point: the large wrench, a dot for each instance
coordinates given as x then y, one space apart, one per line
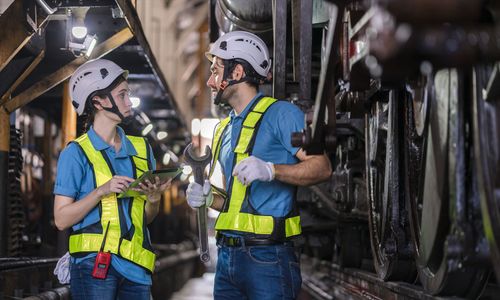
198 165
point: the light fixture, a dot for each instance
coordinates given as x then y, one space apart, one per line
208 127
147 129
79 32
86 47
176 148
186 169
161 135
90 42
195 126
78 29
166 159
136 101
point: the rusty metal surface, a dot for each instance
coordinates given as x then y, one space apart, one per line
279 48
305 52
65 72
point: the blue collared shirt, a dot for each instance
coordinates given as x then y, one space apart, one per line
272 144
74 179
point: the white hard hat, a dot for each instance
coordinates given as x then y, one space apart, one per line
92 76
243 45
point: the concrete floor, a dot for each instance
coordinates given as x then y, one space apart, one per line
200 288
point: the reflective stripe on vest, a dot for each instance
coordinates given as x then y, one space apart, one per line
118 240
233 218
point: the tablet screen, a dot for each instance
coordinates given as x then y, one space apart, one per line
163 174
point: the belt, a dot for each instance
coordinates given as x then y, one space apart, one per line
233 241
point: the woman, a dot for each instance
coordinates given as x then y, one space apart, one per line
92 170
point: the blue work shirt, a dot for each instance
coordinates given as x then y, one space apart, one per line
75 179
272 144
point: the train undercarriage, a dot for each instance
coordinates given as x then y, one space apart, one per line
403 95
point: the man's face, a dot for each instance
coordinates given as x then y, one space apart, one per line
215 80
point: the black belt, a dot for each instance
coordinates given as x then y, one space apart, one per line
233 241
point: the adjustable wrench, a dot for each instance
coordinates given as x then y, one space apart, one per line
198 165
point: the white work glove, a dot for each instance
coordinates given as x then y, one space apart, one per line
62 269
198 195
253 168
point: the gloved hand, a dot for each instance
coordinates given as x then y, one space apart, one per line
198 195
253 168
62 269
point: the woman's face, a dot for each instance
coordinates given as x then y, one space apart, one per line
121 94
122 100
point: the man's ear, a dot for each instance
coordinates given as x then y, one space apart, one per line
238 72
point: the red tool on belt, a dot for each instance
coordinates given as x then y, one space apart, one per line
102 260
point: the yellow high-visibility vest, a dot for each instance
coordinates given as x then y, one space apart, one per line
130 244
231 217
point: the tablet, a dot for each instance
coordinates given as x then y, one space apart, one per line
163 174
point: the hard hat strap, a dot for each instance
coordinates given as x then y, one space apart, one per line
229 66
114 109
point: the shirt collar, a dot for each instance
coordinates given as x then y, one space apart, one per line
233 115
99 144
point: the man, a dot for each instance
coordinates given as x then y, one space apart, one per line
258 219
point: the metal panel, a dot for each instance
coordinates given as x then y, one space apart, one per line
279 49
305 44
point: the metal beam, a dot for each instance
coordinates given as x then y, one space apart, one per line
21 78
305 44
4 130
135 26
65 72
4 169
279 48
15 31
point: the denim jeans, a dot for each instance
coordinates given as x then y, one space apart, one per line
257 272
115 286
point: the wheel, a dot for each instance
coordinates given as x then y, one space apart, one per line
486 133
441 187
386 211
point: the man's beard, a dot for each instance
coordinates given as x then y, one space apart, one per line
227 95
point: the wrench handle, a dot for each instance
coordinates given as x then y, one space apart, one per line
201 214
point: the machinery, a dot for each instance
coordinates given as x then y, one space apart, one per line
403 95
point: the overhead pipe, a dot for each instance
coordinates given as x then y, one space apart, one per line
254 16
49 10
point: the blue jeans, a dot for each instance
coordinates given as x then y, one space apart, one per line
257 272
115 286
